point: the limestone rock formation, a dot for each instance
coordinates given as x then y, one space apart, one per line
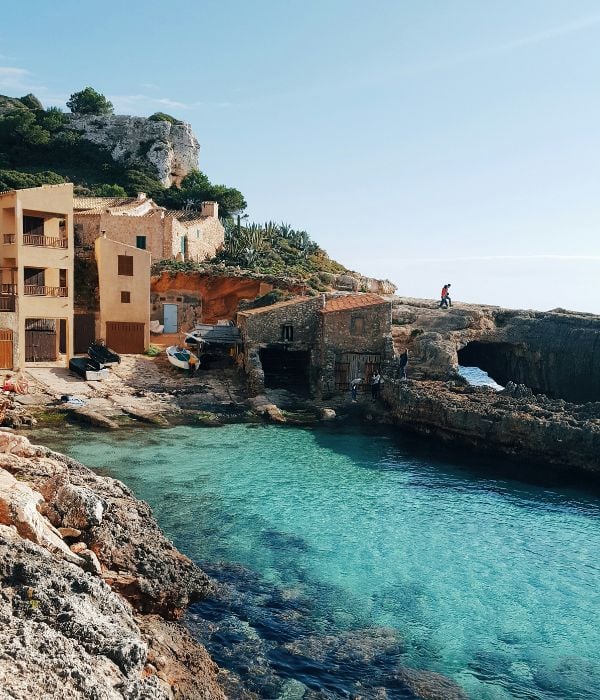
64 629
170 150
553 352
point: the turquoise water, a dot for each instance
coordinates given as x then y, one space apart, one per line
492 582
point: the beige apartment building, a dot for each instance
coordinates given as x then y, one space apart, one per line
36 292
140 222
124 292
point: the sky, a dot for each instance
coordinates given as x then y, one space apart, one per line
424 142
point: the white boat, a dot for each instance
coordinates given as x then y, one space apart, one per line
180 357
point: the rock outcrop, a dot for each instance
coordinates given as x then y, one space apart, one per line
549 363
556 353
169 149
82 562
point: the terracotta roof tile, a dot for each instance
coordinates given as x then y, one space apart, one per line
352 301
100 203
278 305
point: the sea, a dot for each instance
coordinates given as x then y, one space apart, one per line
346 555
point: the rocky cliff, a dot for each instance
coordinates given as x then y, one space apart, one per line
88 586
549 363
556 353
169 149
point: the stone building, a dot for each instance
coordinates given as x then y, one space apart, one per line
36 291
316 344
140 222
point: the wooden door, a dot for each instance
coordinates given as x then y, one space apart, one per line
126 338
6 349
84 332
40 340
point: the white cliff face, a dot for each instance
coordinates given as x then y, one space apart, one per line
171 150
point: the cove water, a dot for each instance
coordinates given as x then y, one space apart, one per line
492 582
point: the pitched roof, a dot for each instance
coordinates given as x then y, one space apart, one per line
352 301
100 203
278 305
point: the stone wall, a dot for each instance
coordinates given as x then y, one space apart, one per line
357 330
263 326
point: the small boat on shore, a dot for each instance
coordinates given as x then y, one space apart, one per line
87 368
179 357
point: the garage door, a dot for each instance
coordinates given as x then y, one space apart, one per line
127 338
6 349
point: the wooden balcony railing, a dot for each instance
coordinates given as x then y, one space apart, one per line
7 302
8 289
10 238
34 290
44 241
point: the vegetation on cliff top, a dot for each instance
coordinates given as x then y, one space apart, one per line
269 249
38 146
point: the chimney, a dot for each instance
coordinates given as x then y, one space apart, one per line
141 197
323 301
209 209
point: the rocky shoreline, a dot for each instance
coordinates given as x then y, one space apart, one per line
91 588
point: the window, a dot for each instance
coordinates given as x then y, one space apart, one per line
357 325
62 278
140 242
125 297
126 265
287 333
183 244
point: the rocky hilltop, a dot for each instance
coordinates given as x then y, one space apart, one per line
89 588
168 148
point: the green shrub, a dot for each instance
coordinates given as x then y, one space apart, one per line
162 117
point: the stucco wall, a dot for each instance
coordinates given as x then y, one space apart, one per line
111 284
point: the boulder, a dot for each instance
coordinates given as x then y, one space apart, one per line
19 507
327 414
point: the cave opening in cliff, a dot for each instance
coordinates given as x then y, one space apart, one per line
496 359
285 368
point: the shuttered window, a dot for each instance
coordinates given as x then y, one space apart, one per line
125 297
126 265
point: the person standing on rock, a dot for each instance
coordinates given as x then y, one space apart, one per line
192 364
446 301
375 384
354 388
403 363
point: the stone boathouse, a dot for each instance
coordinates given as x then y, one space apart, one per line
316 345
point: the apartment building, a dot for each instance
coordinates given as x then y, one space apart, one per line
36 276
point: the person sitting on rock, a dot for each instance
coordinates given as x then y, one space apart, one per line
446 301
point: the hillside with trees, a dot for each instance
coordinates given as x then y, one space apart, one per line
38 146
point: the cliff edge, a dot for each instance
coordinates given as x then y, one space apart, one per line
168 148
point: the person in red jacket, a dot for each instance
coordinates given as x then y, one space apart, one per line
446 301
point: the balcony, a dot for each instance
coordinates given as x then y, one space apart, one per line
43 241
34 290
9 238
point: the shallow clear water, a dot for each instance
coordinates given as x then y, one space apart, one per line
493 582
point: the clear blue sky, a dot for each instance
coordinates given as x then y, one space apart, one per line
421 141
